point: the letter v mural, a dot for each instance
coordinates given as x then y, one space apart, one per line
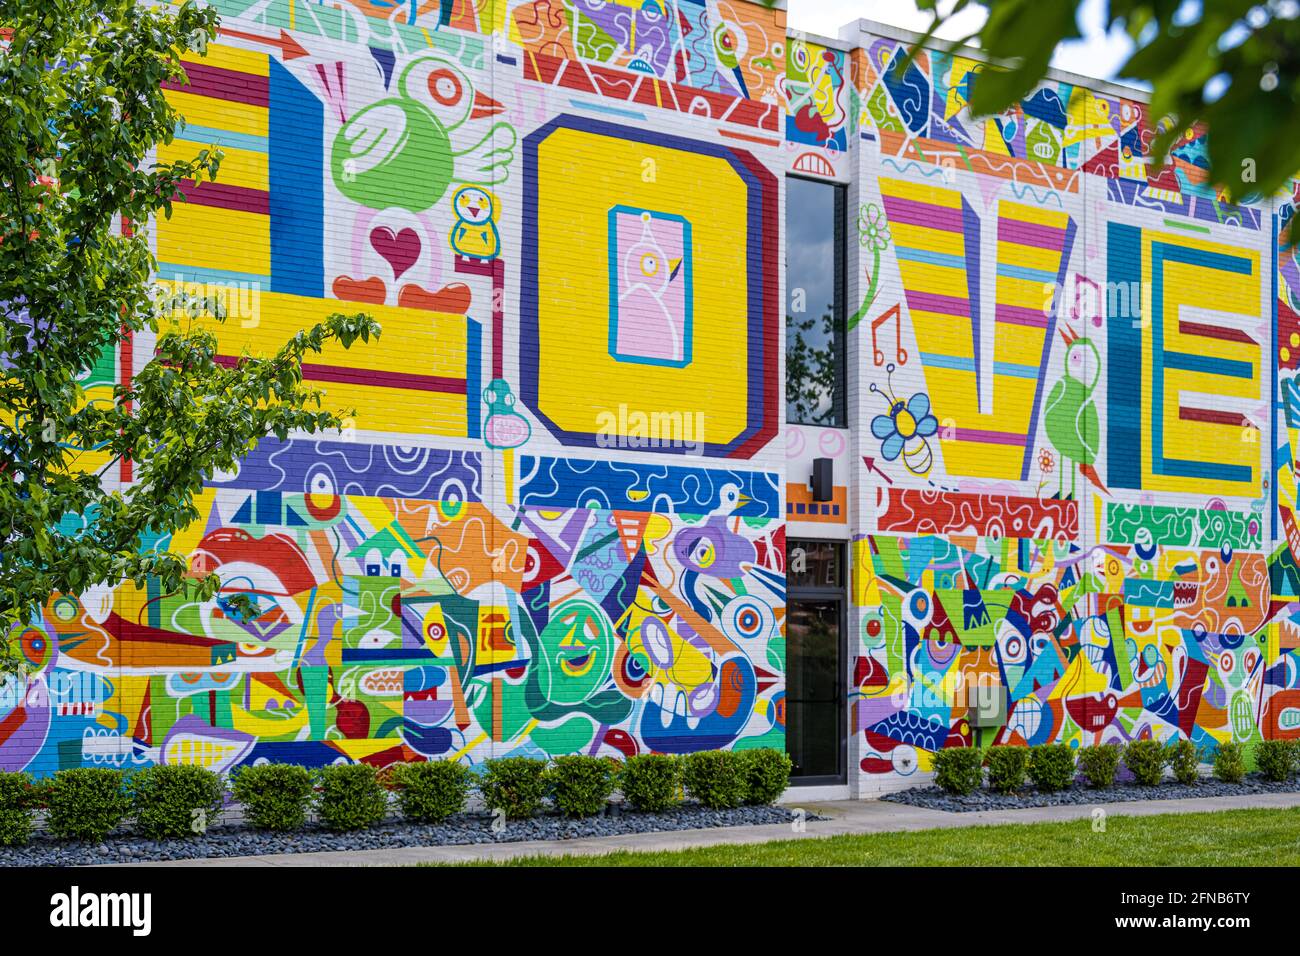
974 282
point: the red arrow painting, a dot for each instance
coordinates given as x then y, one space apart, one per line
290 49
871 466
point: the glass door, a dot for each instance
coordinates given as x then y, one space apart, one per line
816 711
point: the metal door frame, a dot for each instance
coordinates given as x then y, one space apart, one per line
840 596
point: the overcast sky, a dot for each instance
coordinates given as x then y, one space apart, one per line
1096 55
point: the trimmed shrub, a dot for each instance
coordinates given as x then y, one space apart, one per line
18 797
1275 759
1007 767
515 785
1051 766
959 770
716 778
1230 762
349 796
1146 760
85 803
275 796
1184 758
433 790
767 774
651 782
581 784
175 800
386 777
1100 764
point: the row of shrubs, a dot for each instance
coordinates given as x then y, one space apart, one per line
960 770
179 800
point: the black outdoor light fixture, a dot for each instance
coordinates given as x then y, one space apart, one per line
822 483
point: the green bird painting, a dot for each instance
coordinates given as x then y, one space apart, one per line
406 150
1070 417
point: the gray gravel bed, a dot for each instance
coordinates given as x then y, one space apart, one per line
228 840
932 798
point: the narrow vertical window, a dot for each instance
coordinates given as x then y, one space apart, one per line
815 301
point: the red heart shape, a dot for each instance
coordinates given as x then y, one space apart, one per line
400 250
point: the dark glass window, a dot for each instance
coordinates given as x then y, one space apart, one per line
815 302
814 564
816 707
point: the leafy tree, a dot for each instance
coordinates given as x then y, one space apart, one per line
1231 66
84 107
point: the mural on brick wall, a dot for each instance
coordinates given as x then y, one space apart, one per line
554 524
1067 371
557 520
400 619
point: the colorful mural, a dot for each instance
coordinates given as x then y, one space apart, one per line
445 579
1058 643
399 619
557 520
1068 493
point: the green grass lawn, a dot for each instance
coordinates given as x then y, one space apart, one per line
1225 838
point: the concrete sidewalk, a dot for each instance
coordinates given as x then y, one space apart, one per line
845 817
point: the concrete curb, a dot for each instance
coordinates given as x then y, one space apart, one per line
846 817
